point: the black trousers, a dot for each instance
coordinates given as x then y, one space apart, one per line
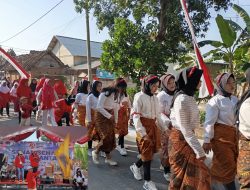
66 116
7 109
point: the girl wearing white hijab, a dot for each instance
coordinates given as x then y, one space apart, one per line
5 97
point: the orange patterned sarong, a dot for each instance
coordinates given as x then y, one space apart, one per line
187 171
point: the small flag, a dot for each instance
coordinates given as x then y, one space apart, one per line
14 63
63 158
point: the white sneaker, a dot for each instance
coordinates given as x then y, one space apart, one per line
139 156
122 151
167 176
110 162
149 185
136 171
90 152
161 167
103 154
95 157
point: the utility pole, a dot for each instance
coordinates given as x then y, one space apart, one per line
88 43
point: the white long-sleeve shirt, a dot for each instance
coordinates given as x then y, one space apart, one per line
219 109
81 99
105 102
185 118
91 103
244 118
165 101
148 107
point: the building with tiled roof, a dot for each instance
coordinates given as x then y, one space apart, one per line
37 63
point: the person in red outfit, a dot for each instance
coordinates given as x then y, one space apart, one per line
25 109
31 178
63 109
34 160
19 163
24 90
60 89
5 97
46 98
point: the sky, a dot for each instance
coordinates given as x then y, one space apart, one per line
63 20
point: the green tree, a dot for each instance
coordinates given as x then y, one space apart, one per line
234 45
81 153
151 31
11 52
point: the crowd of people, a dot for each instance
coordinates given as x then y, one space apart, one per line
164 120
16 171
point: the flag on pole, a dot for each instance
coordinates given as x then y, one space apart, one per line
207 87
62 155
14 63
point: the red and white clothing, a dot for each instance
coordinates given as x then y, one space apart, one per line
24 91
31 180
46 97
60 89
19 161
4 96
25 114
62 107
34 160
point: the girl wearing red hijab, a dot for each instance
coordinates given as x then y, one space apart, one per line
23 90
46 98
60 89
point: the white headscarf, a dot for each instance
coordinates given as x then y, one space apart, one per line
4 89
13 90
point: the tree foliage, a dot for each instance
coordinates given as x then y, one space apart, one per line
234 45
145 34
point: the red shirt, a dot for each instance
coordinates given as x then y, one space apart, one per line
4 99
34 160
19 161
62 107
23 90
31 179
26 109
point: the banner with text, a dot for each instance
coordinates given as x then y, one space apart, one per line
45 151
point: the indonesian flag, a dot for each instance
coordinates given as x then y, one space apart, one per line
14 63
207 87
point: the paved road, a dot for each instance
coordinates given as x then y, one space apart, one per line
103 176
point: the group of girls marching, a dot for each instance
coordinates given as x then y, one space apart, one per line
167 122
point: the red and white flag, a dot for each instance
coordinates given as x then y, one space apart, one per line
14 63
207 87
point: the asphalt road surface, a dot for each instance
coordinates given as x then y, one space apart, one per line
105 177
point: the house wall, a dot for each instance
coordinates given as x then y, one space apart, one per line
78 60
63 54
47 62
